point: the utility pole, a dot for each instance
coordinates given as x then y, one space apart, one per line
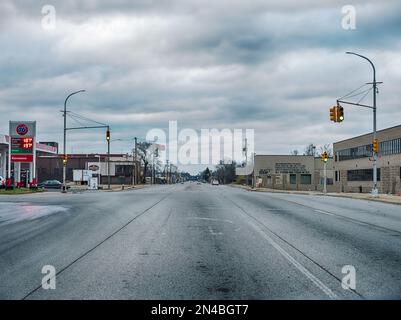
375 191
108 156
167 175
246 151
253 172
136 162
325 178
64 188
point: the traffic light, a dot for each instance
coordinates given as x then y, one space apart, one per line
333 114
337 113
108 135
340 114
375 146
324 156
65 158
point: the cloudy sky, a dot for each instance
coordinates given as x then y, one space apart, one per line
272 66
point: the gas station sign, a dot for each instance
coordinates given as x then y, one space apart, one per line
22 144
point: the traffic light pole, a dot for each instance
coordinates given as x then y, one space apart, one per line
375 191
325 177
108 157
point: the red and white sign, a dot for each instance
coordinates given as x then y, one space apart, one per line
22 129
22 157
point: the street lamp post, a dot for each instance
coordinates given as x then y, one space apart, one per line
375 190
64 189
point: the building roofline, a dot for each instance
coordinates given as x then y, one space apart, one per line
287 155
367 134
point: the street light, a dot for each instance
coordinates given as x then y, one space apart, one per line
375 191
64 189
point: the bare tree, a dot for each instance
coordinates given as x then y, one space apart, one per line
326 147
310 150
144 157
294 152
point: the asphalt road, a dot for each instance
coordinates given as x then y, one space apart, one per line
191 241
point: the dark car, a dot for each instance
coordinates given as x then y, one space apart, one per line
51 184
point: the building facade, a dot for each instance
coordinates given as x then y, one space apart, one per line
353 165
122 166
290 172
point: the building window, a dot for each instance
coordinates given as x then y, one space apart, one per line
362 175
385 148
293 179
329 181
124 170
306 179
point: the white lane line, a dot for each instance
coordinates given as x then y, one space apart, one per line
211 219
324 212
296 264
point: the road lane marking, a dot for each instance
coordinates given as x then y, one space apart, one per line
211 219
297 265
263 226
287 256
324 212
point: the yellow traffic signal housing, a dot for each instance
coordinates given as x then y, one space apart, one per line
324 156
340 114
375 146
65 158
337 114
333 114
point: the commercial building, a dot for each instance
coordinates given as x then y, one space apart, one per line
121 167
354 167
21 172
292 172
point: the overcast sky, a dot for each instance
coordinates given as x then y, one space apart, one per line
272 66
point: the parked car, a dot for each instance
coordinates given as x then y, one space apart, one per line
215 182
51 184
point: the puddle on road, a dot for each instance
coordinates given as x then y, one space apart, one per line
14 212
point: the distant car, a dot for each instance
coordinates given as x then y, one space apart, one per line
215 182
51 184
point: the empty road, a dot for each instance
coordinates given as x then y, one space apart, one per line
197 241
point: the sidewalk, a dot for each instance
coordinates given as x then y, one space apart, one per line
117 187
394 199
104 187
